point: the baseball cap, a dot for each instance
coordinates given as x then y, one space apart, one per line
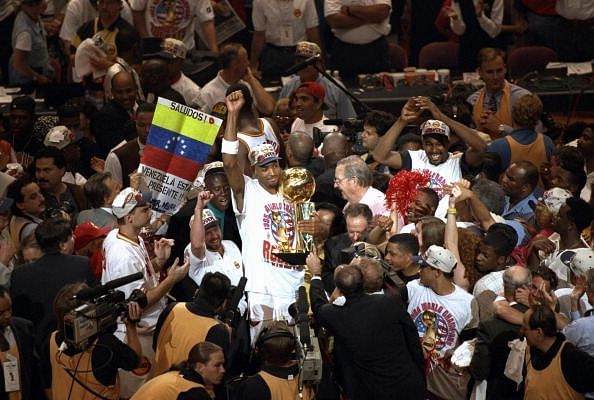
5 204
435 127
127 200
437 257
263 154
171 49
23 103
86 232
307 49
554 198
213 168
208 219
313 89
582 261
59 137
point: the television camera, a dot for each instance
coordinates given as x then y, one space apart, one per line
102 307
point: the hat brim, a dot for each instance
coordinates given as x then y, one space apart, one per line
421 261
214 171
267 161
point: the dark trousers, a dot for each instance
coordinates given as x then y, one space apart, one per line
275 61
353 59
5 46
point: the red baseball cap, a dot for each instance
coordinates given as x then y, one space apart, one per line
86 232
313 89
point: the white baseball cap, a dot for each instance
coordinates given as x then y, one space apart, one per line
437 257
127 200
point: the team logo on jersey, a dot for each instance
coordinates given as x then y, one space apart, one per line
297 13
436 182
437 330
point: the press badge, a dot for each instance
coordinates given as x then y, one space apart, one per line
286 34
11 374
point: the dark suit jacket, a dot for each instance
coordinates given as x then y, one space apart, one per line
30 372
377 347
490 356
34 286
325 190
111 125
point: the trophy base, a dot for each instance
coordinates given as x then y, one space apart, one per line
293 258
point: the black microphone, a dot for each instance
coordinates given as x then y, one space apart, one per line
302 318
298 67
91 293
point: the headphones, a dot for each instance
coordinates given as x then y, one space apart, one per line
266 335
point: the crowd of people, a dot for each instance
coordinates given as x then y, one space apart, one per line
448 255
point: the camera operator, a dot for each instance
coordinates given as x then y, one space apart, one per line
72 374
279 376
182 325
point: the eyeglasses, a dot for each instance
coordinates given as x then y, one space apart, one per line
338 180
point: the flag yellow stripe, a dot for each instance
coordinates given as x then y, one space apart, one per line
186 121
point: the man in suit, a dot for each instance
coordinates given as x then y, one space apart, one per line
16 341
35 285
100 191
358 221
388 364
491 350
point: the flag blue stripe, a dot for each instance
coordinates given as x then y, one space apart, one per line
177 144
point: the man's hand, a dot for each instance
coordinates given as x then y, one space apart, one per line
134 314
384 222
543 244
97 164
410 112
202 200
7 251
489 122
178 272
235 101
479 8
314 265
312 226
424 103
162 249
579 289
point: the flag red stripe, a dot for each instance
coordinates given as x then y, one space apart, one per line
170 163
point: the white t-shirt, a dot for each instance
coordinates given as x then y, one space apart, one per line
441 175
266 220
493 281
174 19
299 125
229 263
445 317
187 88
376 200
284 21
214 92
124 257
363 34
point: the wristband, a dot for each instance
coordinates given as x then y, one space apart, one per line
144 367
452 211
230 147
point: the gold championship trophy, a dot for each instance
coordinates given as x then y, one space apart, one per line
297 185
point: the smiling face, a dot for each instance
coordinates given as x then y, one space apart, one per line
419 207
436 148
307 107
218 185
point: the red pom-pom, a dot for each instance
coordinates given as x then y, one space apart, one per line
403 188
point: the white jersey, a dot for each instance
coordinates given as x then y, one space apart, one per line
439 319
175 18
229 263
265 221
267 136
441 175
124 257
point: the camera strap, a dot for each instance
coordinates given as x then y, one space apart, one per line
88 389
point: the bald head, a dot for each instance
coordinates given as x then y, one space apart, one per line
301 146
514 278
123 89
335 148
